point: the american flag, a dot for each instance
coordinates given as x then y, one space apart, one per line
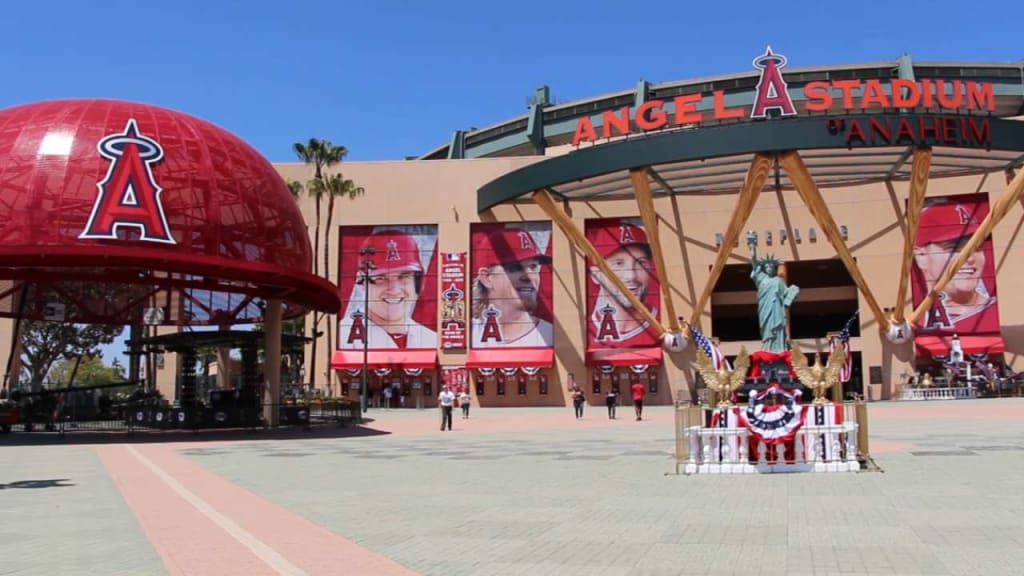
843 338
716 356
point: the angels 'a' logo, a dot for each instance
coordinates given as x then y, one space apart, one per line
937 317
772 93
491 329
606 329
392 255
357 333
626 235
964 214
129 195
525 242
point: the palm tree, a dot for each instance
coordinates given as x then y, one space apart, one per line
320 154
296 188
337 186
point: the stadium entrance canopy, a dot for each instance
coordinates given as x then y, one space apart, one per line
839 133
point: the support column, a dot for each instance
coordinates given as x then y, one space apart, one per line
797 171
645 201
996 214
918 189
752 185
564 222
272 363
224 363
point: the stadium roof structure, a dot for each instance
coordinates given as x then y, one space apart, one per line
116 212
547 124
806 129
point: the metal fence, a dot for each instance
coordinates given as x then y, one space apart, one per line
73 411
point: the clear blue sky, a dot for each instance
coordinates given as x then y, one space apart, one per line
389 78
392 78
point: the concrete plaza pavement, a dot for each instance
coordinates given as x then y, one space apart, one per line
517 491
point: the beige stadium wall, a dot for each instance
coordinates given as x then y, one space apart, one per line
444 192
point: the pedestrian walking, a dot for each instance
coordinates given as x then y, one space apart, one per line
464 398
638 399
577 401
611 400
446 399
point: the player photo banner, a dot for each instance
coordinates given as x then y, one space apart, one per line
611 320
511 285
967 305
401 312
453 300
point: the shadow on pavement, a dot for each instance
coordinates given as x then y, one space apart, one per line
53 483
142 436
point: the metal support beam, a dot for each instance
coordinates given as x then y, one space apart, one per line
756 177
457 146
645 201
564 222
798 174
535 128
899 162
641 92
661 181
918 190
996 214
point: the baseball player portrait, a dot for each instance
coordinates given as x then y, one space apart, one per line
613 321
395 283
968 302
508 287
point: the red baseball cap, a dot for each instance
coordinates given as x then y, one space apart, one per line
612 238
506 246
394 251
945 221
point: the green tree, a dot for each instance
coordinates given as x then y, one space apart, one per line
337 187
44 343
321 154
91 370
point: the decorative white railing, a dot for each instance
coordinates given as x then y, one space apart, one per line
954 393
738 451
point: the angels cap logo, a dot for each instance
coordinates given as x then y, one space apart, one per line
525 242
966 217
392 255
129 195
772 92
626 235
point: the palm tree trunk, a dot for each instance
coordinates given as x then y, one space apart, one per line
327 273
316 315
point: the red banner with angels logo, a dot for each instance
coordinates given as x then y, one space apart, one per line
453 300
612 322
396 306
967 305
511 285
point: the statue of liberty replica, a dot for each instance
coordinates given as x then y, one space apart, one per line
773 298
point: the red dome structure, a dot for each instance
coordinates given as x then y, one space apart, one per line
109 208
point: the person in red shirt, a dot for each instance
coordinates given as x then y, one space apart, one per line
638 399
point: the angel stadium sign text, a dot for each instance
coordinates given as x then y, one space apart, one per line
772 98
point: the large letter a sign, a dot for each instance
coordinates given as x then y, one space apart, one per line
129 196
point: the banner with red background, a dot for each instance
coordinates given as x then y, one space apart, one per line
611 320
453 300
511 285
403 287
967 305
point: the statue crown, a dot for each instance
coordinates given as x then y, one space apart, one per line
771 260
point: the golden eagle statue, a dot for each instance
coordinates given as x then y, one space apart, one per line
723 382
817 377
